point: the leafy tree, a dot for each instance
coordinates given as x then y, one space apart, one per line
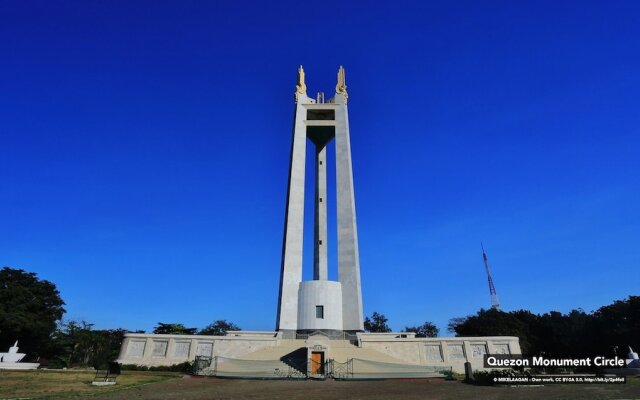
78 345
616 326
563 335
607 331
455 322
427 329
219 328
377 323
175 329
29 310
491 322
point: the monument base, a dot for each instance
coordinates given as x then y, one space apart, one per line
102 383
18 365
269 350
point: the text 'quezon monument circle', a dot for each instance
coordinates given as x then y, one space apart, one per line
319 324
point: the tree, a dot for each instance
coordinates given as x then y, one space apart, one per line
78 345
219 328
552 334
491 322
173 329
616 326
29 311
427 329
376 324
577 334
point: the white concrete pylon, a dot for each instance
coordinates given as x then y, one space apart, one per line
320 122
348 253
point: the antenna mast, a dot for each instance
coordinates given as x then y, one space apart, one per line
495 303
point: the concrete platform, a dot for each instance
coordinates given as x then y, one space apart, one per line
391 348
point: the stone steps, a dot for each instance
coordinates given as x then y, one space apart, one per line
289 359
276 369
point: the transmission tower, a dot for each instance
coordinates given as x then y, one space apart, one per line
495 303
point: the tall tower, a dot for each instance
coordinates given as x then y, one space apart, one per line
495 303
320 304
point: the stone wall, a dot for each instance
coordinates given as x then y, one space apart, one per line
155 350
442 351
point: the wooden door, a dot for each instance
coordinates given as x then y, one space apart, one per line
317 362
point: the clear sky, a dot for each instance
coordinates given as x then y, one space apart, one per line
144 152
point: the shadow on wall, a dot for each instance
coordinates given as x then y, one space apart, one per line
297 359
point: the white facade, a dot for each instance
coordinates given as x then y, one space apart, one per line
320 305
398 348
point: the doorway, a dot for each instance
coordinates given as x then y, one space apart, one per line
317 363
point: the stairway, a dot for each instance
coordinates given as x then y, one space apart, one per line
288 359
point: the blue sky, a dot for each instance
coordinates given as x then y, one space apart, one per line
144 153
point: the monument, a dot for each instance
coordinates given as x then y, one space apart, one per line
632 366
319 323
633 361
11 359
320 304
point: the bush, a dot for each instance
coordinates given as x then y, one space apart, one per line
448 374
184 367
133 367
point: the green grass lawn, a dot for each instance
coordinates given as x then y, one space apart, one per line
44 384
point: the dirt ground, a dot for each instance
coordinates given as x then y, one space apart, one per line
190 388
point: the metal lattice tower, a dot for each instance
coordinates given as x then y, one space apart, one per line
495 303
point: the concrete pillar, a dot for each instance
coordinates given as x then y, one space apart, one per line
444 347
348 255
148 350
291 267
468 352
170 348
320 231
192 349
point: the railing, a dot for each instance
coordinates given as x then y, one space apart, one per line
338 370
283 368
297 367
289 373
337 335
200 364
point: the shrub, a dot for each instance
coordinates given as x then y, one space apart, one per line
184 367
